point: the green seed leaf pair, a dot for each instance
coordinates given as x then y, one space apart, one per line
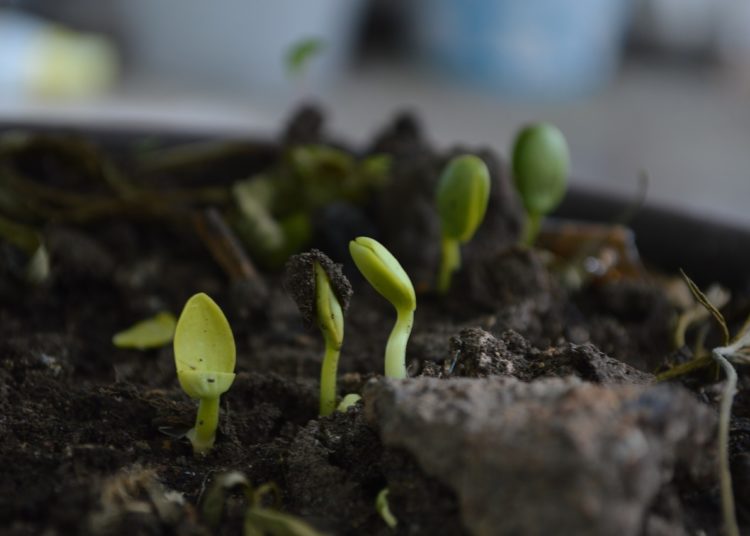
322 294
383 272
462 197
329 312
541 163
204 349
205 355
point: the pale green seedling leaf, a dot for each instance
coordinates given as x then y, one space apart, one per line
462 196
153 332
328 309
348 401
204 348
541 162
381 506
383 272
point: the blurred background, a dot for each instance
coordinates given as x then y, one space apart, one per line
655 85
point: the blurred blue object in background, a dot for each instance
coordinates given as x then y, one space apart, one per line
531 48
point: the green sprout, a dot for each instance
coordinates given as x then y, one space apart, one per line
385 274
322 294
260 520
204 353
382 508
348 401
462 196
541 162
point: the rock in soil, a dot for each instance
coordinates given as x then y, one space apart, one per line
554 456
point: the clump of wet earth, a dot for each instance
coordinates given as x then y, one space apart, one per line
531 408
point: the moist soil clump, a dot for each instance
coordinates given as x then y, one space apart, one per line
532 406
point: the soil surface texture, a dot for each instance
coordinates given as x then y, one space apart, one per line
532 405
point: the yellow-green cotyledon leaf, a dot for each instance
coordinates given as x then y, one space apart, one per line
541 162
153 332
383 272
328 309
204 349
462 196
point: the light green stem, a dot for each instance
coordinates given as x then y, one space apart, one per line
203 435
450 262
395 350
328 380
531 228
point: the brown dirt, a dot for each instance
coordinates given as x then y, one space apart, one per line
83 422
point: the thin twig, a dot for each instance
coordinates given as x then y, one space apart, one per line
224 245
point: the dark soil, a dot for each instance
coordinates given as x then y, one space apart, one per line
89 442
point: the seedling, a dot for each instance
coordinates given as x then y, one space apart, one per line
381 506
153 332
259 519
322 293
462 196
348 401
385 274
541 161
735 350
204 353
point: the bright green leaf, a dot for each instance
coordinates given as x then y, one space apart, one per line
462 197
541 162
348 401
383 272
204 348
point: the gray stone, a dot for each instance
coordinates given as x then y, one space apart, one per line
554 456
480 355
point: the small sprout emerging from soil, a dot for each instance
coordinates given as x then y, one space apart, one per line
205 355
259 519
348 401
381 506
541 162
735 350
153 332
385 274
462 196
322 293
717 295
